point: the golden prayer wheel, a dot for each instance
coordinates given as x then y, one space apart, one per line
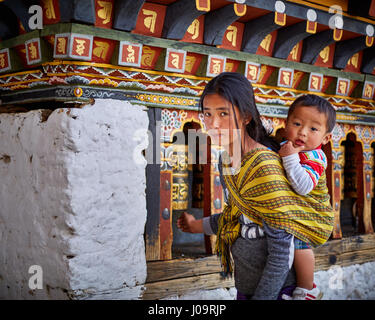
198 190
350 170
180 173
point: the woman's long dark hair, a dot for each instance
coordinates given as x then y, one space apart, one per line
236 89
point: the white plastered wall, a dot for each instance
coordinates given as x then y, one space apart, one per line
72 201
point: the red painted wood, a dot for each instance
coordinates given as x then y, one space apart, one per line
165 226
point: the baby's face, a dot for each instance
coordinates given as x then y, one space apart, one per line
307 127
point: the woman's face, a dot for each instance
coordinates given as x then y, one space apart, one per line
220 121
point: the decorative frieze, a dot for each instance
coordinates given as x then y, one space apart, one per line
5 63
130 54
33 51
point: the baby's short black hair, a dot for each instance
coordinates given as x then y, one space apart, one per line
323 106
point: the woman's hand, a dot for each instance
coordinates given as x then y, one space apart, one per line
187 223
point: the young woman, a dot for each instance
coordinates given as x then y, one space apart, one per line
263 213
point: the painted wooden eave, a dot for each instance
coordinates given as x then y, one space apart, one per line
191 47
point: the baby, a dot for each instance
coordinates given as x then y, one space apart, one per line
309 125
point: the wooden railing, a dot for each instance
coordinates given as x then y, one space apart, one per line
179 276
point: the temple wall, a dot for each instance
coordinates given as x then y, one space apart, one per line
67 202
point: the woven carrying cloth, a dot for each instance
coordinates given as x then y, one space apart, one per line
261 191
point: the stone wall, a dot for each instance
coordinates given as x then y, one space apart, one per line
72 201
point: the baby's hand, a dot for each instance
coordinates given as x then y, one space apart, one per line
287 149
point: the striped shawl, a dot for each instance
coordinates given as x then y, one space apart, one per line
261 191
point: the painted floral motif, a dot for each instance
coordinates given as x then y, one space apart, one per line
201 118
366 134
267 123
337 133
171 120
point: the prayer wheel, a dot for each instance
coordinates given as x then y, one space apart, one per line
180 173
350 169
197 187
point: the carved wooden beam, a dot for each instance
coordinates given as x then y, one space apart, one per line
186 11
359 9
300 11
314 44
256 30
368 60
288 37
345 50
126 14
66 10
77 10
8 23
216 23
6 31
84 11
21 9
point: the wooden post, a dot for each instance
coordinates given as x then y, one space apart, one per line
152 237
158 231
338 161
367 190
165 227
329 171
207 195
358 150
215 199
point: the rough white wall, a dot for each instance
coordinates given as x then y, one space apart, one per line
354 282
72 200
